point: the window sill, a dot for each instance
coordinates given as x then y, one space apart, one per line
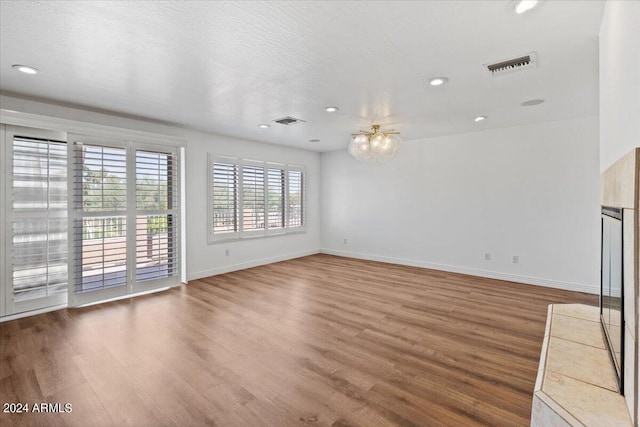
258 236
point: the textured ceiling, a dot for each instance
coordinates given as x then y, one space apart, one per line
225 67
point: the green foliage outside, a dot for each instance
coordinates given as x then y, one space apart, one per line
102 191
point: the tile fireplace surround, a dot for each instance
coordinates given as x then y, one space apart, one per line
576 385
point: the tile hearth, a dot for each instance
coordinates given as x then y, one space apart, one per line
576 385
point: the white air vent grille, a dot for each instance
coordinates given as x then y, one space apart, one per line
288 121
514 64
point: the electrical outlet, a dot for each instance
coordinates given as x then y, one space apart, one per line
226 252
487 256
345 241
515 259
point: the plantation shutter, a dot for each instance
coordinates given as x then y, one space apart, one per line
224 200
100 217
253 199
157 212
38 227
249 198
275 198
296 199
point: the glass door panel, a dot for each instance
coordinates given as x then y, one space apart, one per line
36 226
100 238
156 234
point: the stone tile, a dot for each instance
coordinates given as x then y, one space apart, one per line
592 406
578 330
580 311
542 415
582 362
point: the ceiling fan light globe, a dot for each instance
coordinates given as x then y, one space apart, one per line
391 143
359 147
377 142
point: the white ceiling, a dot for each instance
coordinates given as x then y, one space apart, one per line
225 67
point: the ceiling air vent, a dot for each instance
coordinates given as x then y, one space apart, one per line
288 121
514 64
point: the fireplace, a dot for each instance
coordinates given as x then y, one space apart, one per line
611 289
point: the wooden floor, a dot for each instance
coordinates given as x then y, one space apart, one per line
319 340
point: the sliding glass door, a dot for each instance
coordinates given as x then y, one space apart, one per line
85 218
35 227
125 218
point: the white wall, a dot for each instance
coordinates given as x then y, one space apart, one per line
619 80
530 191
204 259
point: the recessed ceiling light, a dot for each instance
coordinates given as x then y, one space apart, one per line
314 140
437 81
532 102
264 126
331 109
523 6
479 118
25 69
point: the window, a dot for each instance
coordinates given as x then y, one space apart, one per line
295 207
224 197
253 206
275 198
251 198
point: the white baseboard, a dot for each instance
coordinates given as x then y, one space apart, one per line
577 287
32 313
249 264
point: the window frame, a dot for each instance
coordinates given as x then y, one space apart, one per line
266 231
